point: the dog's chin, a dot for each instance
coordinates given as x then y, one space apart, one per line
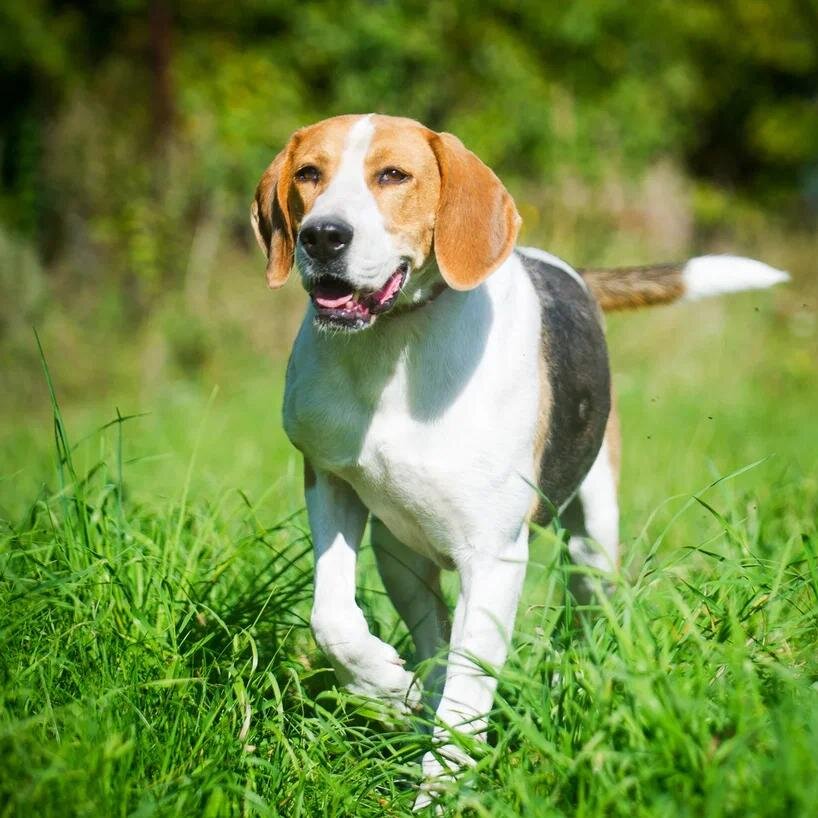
341 308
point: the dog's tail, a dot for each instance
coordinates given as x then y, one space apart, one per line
625 288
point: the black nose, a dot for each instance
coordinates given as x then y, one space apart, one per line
325 239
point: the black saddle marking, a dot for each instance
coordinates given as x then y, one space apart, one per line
573 344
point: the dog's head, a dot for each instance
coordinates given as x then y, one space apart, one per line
360 203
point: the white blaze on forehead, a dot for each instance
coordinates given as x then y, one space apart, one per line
358 140
348 187
372 256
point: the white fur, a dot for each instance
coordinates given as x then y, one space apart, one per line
597 493
428 421
554 261
396 411
596 545
706 276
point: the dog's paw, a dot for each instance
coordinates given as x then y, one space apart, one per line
373 669
380 675
426 798
439 767
393 686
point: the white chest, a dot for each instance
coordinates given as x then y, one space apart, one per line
434 430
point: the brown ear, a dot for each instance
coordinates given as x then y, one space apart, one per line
477 221
271 220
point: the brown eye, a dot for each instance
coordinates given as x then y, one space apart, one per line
392 176
309 173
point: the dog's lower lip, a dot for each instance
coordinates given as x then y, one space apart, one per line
336 301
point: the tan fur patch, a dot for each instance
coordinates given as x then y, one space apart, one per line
541 432
320 145
614 439
281 201
477 220
409 208
271 222
631 287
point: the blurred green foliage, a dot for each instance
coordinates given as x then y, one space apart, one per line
533 86
134 131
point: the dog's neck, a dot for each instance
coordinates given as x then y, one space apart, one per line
424 286
428 295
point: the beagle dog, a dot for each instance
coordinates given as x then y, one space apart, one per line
448 388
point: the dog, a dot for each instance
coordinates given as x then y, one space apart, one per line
450 388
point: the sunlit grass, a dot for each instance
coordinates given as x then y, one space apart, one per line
155 588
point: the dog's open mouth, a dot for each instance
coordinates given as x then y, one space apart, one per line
338 304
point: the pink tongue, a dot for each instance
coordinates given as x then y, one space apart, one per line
390 288
332 303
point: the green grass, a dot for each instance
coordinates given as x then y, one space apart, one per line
155 583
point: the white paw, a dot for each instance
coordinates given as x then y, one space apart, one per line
439 768
371 668
425 799
392 685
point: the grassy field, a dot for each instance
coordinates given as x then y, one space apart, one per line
155 585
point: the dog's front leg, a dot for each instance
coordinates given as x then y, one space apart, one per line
490 585
362 662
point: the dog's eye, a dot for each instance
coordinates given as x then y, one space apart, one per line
392 176
309 173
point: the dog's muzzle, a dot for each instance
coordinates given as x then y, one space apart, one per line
338 304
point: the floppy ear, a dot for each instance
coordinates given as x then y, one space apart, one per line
477 221
271 220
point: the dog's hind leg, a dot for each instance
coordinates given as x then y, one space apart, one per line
592 517
413 584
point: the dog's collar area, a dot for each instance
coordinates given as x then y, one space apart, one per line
435 291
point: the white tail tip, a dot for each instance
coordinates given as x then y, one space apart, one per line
705 276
